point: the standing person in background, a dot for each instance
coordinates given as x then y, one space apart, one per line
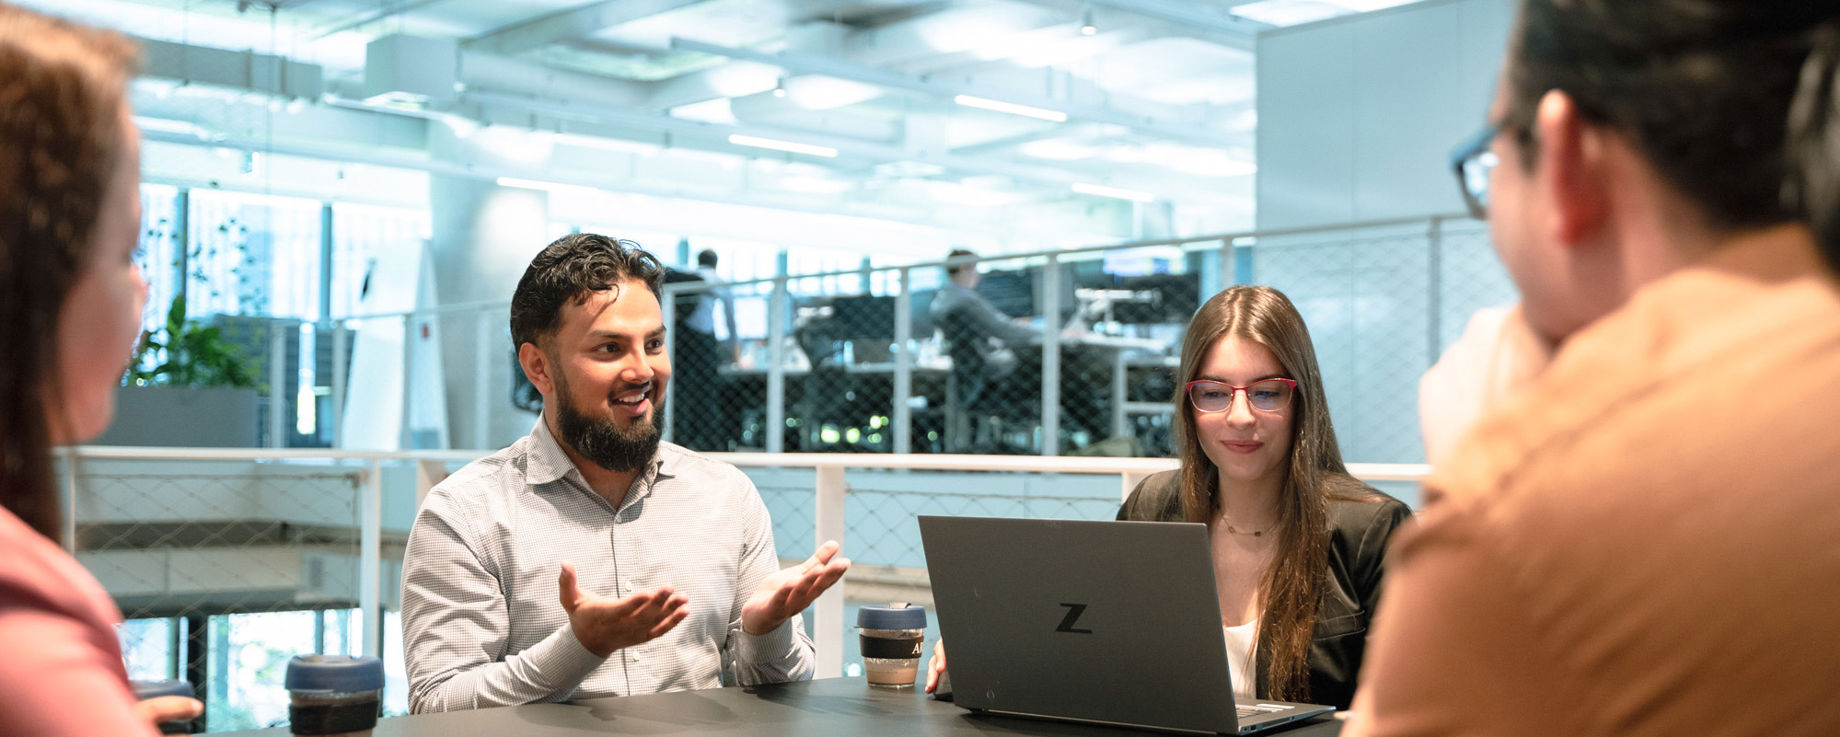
1298 545
70 307
1641 542
700 422
705 318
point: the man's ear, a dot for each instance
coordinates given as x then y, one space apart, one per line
1573 166
537 368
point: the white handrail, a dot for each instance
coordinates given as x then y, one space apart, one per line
149 453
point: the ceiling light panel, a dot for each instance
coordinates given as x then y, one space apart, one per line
774 144
1117 193
1027 111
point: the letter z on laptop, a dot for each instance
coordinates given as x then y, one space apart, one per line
1111 622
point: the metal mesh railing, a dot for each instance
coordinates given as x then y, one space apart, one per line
224 570
227 563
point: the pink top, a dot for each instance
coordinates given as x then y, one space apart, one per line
61 671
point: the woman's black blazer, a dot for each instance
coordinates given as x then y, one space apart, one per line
1358 533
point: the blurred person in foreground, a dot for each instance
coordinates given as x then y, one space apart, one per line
1642 540
1298 545
590 558
70 306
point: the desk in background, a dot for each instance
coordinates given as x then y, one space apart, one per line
832 707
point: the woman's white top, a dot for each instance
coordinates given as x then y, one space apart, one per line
1242 647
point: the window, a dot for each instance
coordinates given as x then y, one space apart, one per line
253 255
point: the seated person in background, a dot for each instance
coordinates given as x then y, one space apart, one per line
70 307
994 359
1298 544
1642 541
678 574
976 333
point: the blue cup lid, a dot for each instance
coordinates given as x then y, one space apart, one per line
896 616
334 673
148 689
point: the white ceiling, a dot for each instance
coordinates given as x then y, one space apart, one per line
1152 97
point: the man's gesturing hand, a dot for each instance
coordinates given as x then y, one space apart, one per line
604 625
788 592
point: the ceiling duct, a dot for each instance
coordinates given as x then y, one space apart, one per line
410 70
239 70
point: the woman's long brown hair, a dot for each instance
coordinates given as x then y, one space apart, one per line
1292 586
62 92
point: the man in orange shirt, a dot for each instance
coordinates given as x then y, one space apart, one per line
1645 539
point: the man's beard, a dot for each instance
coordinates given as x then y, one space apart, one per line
605 443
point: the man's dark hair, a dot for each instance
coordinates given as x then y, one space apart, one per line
956 253
1705 90
706 257
569 270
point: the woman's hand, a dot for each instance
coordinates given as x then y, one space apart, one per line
936 666
161 709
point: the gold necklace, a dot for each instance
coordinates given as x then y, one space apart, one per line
1236 531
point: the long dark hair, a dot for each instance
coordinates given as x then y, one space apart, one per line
1292 586
62 92
1733 102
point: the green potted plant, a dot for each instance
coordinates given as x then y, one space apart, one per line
186 386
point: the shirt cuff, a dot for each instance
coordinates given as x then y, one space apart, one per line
772 647
562 660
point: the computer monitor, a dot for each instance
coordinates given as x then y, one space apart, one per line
863 317
923 313
1013 292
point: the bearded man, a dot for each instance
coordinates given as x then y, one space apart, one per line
588 558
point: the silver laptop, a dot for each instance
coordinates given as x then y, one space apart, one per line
1108 622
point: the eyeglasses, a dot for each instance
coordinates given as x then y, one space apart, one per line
1270 395
1473 161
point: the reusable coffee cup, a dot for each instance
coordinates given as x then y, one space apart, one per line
891 640
337 695
144 690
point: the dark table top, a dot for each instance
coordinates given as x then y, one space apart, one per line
832 707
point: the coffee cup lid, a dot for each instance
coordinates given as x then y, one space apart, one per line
334 673
896 616
144 690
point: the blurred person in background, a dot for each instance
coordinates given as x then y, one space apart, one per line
70 307
1298 544
1641 541
700 421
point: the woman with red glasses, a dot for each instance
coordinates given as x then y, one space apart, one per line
1297 542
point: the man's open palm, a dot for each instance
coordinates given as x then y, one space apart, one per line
789 591
604 625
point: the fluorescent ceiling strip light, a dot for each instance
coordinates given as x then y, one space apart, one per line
543 186
1097 190
787 146
1000 106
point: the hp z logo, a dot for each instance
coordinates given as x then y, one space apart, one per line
1073 615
